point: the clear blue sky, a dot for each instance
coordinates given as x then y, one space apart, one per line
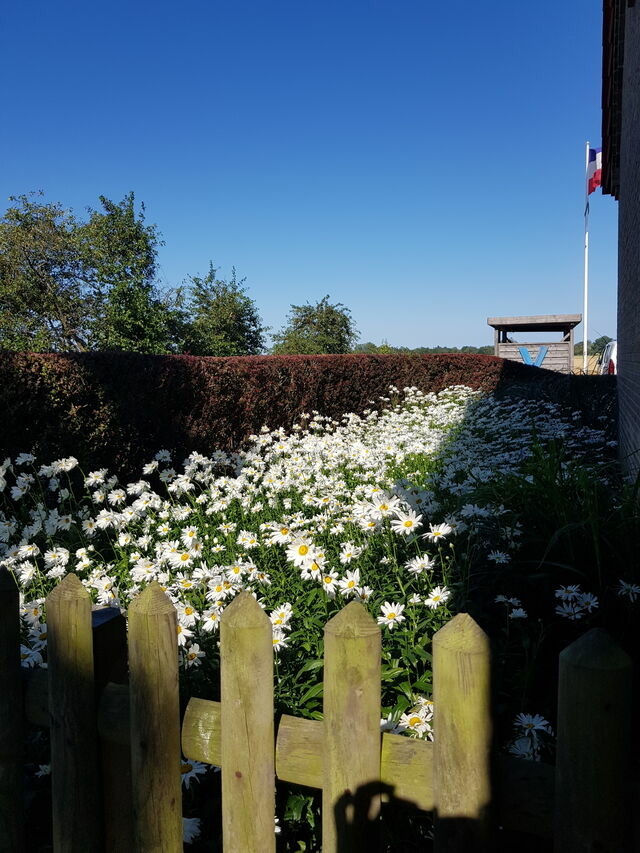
420 162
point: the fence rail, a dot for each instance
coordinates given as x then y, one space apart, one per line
131 795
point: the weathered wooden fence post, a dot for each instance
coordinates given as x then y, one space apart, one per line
593 804
462 736
11 714
351 778
155 722
77 813
248 746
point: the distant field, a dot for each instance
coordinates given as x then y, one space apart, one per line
592 363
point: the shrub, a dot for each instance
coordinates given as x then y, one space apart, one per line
117 409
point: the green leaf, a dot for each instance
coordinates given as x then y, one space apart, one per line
407 689
312 693
402 704
310 666
295 806
389 673
424 683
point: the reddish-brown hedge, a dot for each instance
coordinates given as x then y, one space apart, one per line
118 409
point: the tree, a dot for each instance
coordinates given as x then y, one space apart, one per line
224 320
45 295
385 348
593 347
368 348
578 348
71 285
315 329
597 347
121 252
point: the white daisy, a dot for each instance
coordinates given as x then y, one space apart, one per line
439 595
391 614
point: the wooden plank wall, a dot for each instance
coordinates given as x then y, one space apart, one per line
559 357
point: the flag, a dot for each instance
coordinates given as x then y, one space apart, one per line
594 170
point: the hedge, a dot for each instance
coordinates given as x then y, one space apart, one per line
117 409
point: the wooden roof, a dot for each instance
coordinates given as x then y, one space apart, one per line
536 323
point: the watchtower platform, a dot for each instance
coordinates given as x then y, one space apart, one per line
552 354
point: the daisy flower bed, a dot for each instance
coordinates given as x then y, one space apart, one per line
434 504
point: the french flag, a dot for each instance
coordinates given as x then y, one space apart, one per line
594 170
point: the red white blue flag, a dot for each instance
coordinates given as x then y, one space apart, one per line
594 170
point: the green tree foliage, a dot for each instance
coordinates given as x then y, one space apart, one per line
46 294
367 348
597 347
315 329
68 285
224 320
72 285
384 347
120 251
593 347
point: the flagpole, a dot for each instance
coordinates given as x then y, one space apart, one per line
585 313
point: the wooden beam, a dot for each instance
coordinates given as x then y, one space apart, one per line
594 807
351 740
155 722
246 717
462 735
76 802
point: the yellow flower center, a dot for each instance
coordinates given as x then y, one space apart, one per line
303 549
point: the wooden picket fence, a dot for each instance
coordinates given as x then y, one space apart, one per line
115 748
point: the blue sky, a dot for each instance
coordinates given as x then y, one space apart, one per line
420 162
